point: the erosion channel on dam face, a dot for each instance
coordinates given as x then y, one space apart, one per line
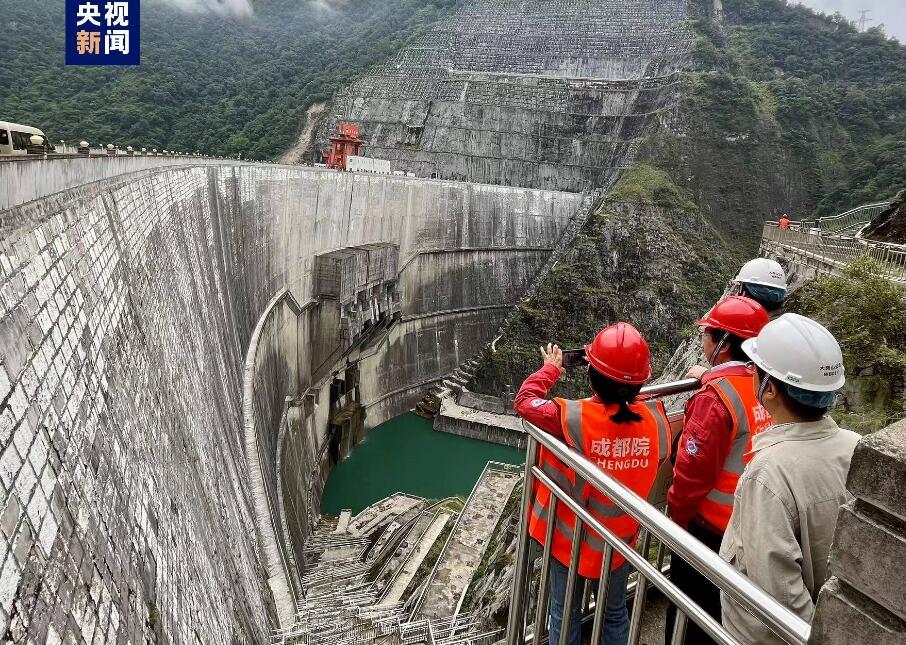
406 455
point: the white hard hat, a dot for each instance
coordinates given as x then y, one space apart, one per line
800 352
764 272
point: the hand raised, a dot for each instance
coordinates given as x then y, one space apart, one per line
553 355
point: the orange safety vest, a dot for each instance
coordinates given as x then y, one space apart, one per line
630 452
749 418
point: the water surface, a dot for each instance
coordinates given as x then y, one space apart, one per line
407 455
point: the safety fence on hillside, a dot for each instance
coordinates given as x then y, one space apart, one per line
526 626
832 253
848 223
852 221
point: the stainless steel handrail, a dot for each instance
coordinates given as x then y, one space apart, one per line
852 213
775 616
674 387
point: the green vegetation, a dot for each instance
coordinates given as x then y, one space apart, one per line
867 315
836 98
645 184
655 267
786 111
218 84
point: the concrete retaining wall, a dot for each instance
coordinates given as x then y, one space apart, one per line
865 599
542 93
503 429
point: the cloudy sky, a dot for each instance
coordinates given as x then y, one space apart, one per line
891 13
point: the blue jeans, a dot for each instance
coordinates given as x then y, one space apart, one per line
615 630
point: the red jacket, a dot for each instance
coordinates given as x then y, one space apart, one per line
533 405
703 447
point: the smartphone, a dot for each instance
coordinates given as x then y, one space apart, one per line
573 358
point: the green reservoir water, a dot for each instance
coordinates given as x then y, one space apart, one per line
407 455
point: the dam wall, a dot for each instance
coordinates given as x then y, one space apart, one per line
137 309
271 376
24 180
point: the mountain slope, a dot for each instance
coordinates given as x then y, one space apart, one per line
216 83
786 111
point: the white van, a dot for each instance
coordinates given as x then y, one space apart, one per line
15 138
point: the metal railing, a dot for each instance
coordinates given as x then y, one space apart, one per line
839 250
523 628
851 218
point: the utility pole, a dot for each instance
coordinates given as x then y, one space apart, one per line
864 19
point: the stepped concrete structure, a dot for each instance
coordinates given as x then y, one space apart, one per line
462 553
540 93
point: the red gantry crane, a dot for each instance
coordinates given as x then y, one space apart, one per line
344 145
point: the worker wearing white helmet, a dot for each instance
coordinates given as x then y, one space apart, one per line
786 503
764 281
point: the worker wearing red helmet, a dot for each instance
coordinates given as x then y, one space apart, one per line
628 439
719 423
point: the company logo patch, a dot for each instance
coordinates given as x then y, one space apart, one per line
537 403
691 447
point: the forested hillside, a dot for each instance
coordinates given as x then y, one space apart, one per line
216 83
787 111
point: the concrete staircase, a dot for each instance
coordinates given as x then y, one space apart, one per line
454 383
466 545
345 603
415 557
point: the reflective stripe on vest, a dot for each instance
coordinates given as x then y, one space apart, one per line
590 538
663 428
745 411
599 440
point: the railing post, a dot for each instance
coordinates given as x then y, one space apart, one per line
638 604
571 581
541 606
515 631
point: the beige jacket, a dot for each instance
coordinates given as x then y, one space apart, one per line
784 515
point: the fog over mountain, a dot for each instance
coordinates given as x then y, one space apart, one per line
230 7
890 13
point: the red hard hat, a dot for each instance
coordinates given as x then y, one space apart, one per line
737 315
619 352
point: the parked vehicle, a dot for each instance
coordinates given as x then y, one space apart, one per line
15 138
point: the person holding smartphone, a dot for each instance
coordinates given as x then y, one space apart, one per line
627 438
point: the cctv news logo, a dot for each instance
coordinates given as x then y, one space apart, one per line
102 32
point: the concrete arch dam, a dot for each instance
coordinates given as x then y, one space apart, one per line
186 348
